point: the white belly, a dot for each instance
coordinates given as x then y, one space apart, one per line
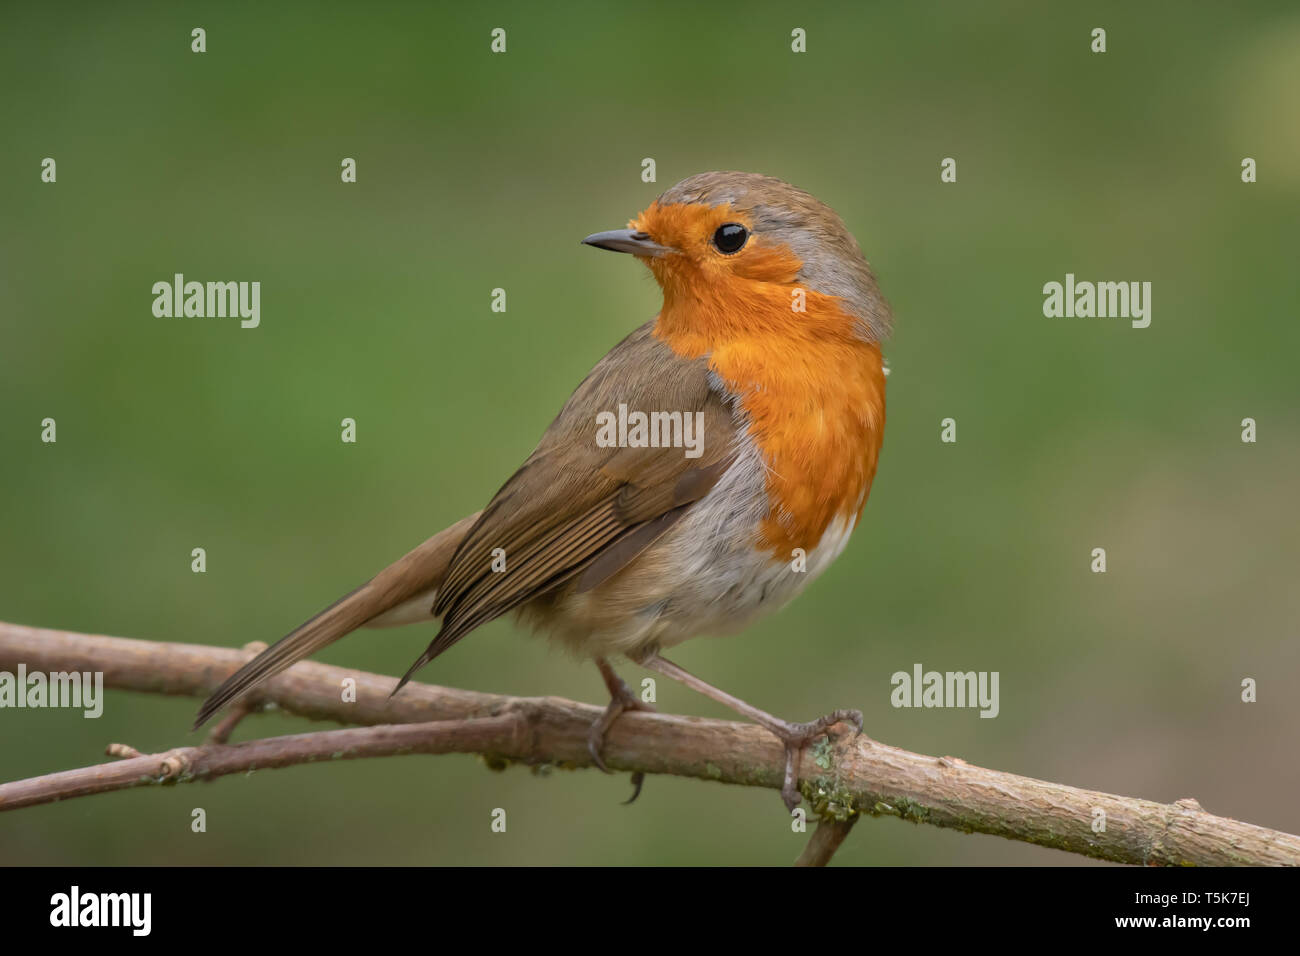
705 576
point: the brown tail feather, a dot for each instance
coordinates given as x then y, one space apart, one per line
340 618
418 571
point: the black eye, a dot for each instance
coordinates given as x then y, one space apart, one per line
730 237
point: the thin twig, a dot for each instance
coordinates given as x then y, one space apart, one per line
184 764
826 839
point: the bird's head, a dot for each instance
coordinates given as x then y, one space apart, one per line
739 252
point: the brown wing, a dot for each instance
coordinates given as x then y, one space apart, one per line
575 507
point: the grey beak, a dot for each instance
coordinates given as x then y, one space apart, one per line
627 240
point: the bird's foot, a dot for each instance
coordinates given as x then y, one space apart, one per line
796 736
621 700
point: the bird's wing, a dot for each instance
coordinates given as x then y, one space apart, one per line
576 507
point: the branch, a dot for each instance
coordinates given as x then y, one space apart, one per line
826 839
841 779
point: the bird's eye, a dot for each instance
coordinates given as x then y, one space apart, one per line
730 237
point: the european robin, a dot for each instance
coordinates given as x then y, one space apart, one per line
711 464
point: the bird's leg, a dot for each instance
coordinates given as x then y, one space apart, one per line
620 699
793 736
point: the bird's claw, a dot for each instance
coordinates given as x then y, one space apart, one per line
796 736
620 701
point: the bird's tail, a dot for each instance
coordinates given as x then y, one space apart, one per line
401 593
340 618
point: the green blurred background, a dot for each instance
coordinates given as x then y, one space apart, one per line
477 171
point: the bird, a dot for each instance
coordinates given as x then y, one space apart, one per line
625 533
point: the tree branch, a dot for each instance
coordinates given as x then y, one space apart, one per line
826 839
841 779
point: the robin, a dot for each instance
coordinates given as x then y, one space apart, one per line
711 464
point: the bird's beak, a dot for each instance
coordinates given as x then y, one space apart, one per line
627 240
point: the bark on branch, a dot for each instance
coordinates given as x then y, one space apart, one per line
841 779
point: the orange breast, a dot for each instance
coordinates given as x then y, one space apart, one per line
814 393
